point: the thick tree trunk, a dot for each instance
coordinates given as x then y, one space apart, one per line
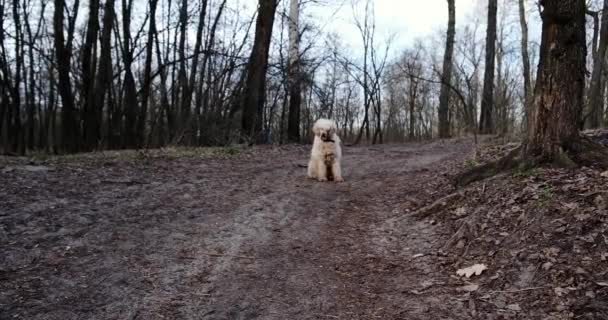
70 131
596 96
130 104
91 133
104 73
16 127
446 76
486 124
295 88
558 96
253 98
525 60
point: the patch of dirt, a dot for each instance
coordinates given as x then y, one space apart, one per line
224 235
241 234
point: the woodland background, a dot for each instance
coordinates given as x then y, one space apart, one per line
89 75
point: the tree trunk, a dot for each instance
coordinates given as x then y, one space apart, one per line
104 73
295 88
486 124
91 128
446 76
147 84
558 95
70 131
596 97
525 60
130 104
252 102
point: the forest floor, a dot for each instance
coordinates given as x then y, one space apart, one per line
234 233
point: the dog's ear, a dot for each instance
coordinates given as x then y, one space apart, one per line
315 129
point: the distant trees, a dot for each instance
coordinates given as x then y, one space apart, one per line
525 57
596 92
202 72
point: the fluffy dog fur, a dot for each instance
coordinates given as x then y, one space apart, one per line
326 154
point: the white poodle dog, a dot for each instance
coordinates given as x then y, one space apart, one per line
326 152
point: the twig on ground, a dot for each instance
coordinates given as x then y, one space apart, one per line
443 202
219 255
517 291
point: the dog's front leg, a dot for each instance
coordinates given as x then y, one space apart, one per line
337 170
321 171
312 168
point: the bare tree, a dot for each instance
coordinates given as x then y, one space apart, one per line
446 75
486 123
595 93
294 82
254 93
525 56
63 52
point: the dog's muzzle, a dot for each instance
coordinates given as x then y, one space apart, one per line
326 138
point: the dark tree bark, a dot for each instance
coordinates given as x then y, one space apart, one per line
294 77
525 59
31 93
70 132
446 76
15 124
558 96
104 72
253 98
596 96
147 84
91 134
182 76
486 123
130 104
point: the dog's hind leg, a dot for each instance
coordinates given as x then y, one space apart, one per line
337 171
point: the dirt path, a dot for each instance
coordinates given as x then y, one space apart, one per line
244 238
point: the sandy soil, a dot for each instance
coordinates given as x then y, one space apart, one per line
247 237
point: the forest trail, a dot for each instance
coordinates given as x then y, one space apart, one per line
241 238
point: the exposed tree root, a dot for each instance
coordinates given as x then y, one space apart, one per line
584 152
488 170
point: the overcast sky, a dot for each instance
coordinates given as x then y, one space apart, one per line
406 19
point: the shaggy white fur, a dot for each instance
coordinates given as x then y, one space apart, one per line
326 154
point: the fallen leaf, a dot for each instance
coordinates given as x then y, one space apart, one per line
560 291
472 270
514 307
602 284
470 288
460 211
604 174
419 255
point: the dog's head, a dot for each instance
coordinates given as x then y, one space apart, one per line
325 129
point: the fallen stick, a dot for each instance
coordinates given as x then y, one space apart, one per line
443 202
517 291
219 255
